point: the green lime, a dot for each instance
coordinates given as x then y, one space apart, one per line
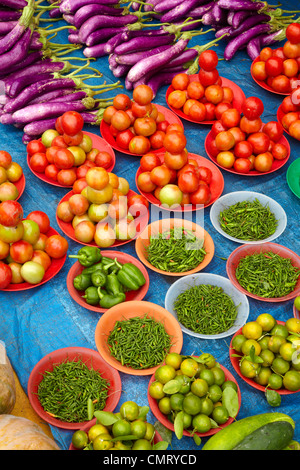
280 330
297 302
219 375
129 410
230 383
220 415
267 356
208 360
263 376
142 444
80 439
165 373
280 366
215 393
291 380
274 343
237 342
191 404
207 406
185 382
119 445
263 342
248 345
208 375
266 321
249 369
121 427
187 420
275 381
156 390
164 405
150 431
95 430
201 423
293 324
189 367
176 401
138 428
102 442
173 359
199 387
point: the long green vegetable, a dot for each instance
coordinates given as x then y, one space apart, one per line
65 391
177 250
267 275
139 342
248 220
205 309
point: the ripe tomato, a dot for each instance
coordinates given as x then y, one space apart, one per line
294 129
290 67
210 111
243 149
123 138
108 113
274 66
5 275
177 98
79 185
288 119
188 104
263 162
11 213
71 122
5 159
176 161
59 141
228 94
189 167
139 145
290 50
67 177
288 105
250 125
293 33
260 142
78 204
217 127
226 159
64 159
207 78
21 251
56 246
220 108
180 81
205 174
160 175
122 101
35 146
149 161
41 218
156 139
225 141
281 84
231 118
174 142
97 178
198 112
238 134
162 125
195 90
188 181
51 171
259 70
38 162
253 107
120 120
145 126
73 140
279 151
274 130
145 183
142 94
208 60
137 205
242 165
202 195
266 53
214 94
103 159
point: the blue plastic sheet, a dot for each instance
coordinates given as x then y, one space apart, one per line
35 322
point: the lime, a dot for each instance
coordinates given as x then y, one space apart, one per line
287 350
156 390
201 423
142 444
252 330
185 383
262 377
187 420
249 369
129 410
275 381
267 356
263 342
165 373
219 375
220 415
274 343
207 406
280 330
293 324
164 405
199 387
173 359
230 383
121 427
176 401
95 430
119 445
291 380
80 439
150 431
138 428
191 404
189 367
208 360
237 342
208 376
266 321
248 345
102 442
297 302
215 393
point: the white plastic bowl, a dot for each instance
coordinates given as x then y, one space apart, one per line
239 299
232 198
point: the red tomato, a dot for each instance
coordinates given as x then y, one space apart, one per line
288 119
207 78
198 112
5 275
122 101
73 140
231 118
64 159
279 53
288 105
252 108
38 162
259 70
238 134
156 139
123 138
290 50
274 130
201 196
293 33
225 141
50 152
290 67
176 161
145 126
59 141
208 60
71 122
139 145
180 81
243 149
281 84
205 174
67 177
263 162
188 182
108 113
35 146
51 171
177 98
145 183
210 111
5 159
266 53
142 94
294 129
137 199
214 94
79 185
217 127
250 125
21 251
220 108
242 165
260 142
174 142
103 159
274 66
149 161
120 120
160 175
195 90
41 218
56 246
162 125
11 213
279 151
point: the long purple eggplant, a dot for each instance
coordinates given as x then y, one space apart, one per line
239 17
198 12
7 26
253 47
238 5
86 12
113 41
30 59
150 6
10 15
102 21
53 96
100 35
95 51
14 4
120 70
166 5
17 53
247 24
179 11
134 57
136 44
71 6
242 40
22 82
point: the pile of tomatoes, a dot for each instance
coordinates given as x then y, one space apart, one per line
65 153
290 108
280 68
26 248
241 141
173 177
136 125
203 99
10 173
103 211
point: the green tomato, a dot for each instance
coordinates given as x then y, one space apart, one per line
48 136
170 195
32 272
31 231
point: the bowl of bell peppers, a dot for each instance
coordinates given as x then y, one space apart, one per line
98 282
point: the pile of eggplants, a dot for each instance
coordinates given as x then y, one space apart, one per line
37 84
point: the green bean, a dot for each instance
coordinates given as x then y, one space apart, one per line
64 392
205 309
267 275
177 250
139 342
248 220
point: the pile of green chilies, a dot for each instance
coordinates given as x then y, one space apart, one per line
139 342
205 309
248 220
64 391
176 251
267 275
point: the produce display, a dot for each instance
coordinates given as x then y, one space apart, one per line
50 99
266 352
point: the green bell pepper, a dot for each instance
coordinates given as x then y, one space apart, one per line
91 295
109 300
88 255
94 268
98 278
82 282
131 276
113 285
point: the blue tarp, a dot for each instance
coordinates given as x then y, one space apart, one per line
40 320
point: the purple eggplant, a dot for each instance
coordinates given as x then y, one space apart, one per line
100 35
198 12
272 38
95 51
239 17
7 26
238 5
150 6
68 18
39 127
134 57
55 13
17 53
114 40
73 38
103 21
7 118
30 59
253 47
86 12
161 79
53 96
71 6
179 12
10 15
14 4
166 5
136 44
249 23
120 70
22 82
242 40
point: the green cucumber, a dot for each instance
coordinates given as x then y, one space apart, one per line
271 436
233 434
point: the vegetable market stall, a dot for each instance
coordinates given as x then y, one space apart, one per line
40 320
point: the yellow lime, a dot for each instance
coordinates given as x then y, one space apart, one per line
263 376
165 373
291 380
138 428
189 367
275 343
95 430
102 442
266 321
293 325
122 427
249 369
156 390
129 410
237 342
248 345
252 330
142 444
173 359
297 302
80 439
150 431
199 387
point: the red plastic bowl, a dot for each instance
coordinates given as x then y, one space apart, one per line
54 268
92 359
216 186
263 84
275 166
296 312
68 230
98 143
106 134
77 268
157 437
251 382
20 185
239 98
245 250
163 419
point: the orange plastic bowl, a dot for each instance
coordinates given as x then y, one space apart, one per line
77 268
251 382
159 226
163 419
245 250
126 310
92 359
157 437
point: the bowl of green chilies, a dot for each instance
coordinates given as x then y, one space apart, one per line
269 272
207 306
248 217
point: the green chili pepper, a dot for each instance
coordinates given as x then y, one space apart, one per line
82 282
131 276
88 255
113 285
109 300
98 278
91 295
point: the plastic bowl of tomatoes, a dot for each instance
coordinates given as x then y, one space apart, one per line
288 114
